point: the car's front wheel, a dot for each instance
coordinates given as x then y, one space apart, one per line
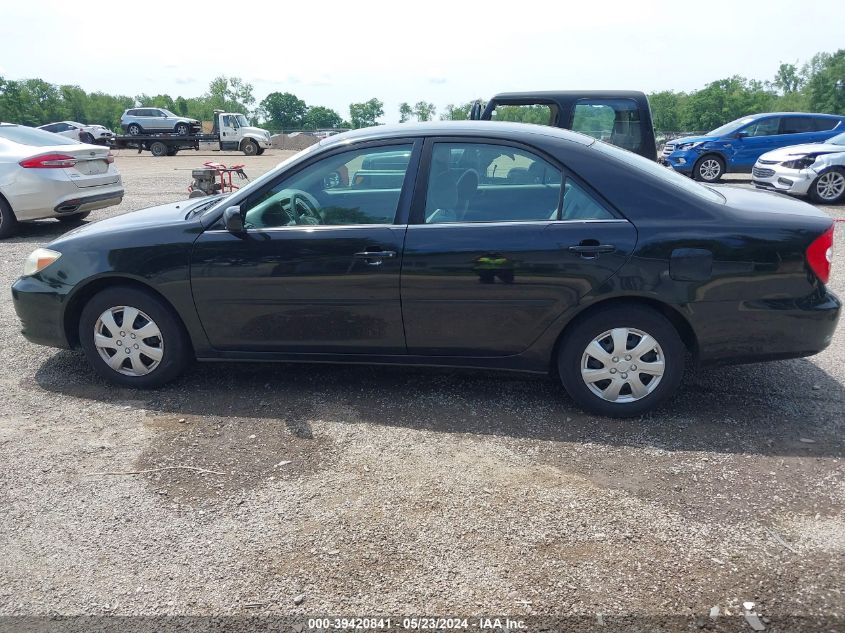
182 129
829 187
708 169
132 338
249 148
621 361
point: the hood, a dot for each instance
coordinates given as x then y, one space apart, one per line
163 215
691 139
255 130
796 151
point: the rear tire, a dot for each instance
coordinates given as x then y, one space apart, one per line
8 221
249 148
709 168
829 187
639 372
158 345
133 129
75 218
158 149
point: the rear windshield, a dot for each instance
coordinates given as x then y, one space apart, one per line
666 174
31 136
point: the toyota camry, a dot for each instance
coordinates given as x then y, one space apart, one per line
473 244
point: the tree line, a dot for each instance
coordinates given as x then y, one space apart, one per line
815 86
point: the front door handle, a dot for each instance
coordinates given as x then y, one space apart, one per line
375 258
592 250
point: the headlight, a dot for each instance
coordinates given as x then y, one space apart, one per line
799 163
38 260
689 145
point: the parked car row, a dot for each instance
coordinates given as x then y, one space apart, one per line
765 145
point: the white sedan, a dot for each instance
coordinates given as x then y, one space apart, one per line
98 134
815 169
43 175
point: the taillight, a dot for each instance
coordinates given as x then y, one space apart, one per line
49 161
820 255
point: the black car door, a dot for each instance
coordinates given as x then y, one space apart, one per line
501 242
317 267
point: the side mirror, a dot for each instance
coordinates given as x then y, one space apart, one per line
233 220
741 134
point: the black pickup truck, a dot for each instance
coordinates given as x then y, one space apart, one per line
620 117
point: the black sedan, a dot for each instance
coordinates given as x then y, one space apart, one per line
474 244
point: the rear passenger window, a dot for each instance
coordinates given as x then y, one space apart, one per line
479 182
797 125
616 121
823 124
579 205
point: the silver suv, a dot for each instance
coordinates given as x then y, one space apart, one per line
155 120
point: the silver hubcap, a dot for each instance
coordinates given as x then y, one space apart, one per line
128 341
623 365
710 169
830 185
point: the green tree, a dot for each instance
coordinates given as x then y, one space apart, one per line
405 112
230 94
788 78
666 108
424 111
365 114
824 91
284 110
725 100
458 112
320 117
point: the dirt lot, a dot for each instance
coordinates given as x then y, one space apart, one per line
356 490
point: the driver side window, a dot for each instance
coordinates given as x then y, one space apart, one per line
357 187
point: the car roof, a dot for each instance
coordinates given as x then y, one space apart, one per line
760 115
495 129
554 95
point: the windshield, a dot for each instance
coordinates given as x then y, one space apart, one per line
241 119
733 126
839 139
31 136
666 174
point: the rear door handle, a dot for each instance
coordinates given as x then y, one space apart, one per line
592 249
374 258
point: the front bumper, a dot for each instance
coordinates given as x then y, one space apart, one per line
40 309
681 160
779 178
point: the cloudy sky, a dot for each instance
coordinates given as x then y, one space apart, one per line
331 53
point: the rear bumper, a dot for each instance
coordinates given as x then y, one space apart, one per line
81 204
40 309
752 331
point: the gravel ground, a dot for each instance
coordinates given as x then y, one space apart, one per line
365 490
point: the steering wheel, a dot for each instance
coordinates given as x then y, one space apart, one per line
288 207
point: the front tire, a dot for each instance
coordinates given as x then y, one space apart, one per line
709 168
131 338
621 361
182 129
250 148
829 187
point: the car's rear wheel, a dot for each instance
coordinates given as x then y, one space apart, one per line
182 128
621 361
133 129
708 168
76 218
829 187
249 147
132 338
8 221
158 149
